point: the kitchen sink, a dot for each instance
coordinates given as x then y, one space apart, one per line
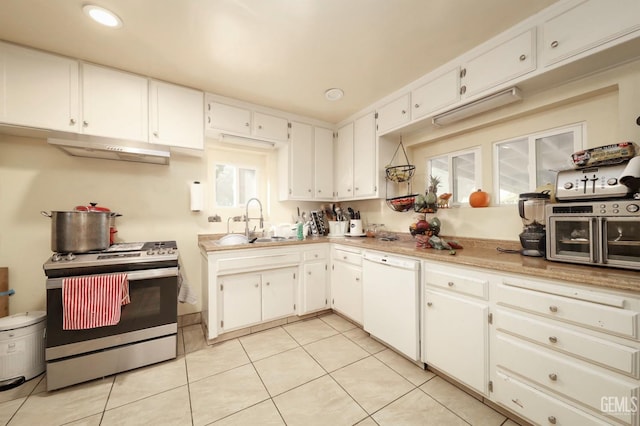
239 239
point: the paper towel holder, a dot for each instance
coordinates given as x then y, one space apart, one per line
197 197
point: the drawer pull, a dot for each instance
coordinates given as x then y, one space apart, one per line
553 339
552 420
450 283
553 377
518 403
553 308
345 257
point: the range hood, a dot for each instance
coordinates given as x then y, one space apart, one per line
111 149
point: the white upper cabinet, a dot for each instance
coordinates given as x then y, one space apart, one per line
230 118
306 164
500 64
365 168
240 121
436 94
301 162
269 127
176 115
114 103
323 164
38 89
394 114
343 162
587 25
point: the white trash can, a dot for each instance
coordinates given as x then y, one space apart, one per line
22 343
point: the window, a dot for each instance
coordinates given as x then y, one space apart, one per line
234 185
524 163
459 174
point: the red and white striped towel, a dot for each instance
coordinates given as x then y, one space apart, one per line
93 301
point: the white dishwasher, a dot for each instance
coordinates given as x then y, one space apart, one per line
391 299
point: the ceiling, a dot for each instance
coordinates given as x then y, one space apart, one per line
281 54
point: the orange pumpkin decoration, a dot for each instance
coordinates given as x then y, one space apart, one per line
479 199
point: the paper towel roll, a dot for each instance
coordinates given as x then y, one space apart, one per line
197 197
630 176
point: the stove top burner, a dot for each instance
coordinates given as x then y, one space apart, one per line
118 257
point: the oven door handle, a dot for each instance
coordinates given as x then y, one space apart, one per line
147 274
604 248
594 250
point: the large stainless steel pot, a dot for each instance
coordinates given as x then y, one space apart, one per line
79 232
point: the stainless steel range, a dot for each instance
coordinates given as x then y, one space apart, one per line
147 329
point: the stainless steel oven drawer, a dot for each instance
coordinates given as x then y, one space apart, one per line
70 371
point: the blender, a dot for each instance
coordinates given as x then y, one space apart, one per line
531 206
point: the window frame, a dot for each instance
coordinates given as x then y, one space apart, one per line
454 200
579 137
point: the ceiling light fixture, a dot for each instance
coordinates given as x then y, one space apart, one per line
102 16
334 94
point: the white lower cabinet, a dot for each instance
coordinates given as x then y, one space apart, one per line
314 281
346 282
457 331
251 298
456 323
565 354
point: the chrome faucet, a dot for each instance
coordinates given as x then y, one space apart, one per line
247 218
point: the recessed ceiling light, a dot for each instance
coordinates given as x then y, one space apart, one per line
102 16
334 94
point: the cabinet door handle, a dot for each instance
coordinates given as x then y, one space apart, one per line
463 72
267 282
463 90
357 278
155 134
450 283
256 285
553 377
72 121
416 106
553 339
85 123
552 420
208 120
344 257
553 308
554 44
523 57
246 124
259 126
429 304
309 273
404 112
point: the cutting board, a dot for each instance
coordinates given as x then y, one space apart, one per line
4 286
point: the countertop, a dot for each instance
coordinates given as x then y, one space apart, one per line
476 253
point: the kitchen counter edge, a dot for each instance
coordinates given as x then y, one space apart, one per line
476 253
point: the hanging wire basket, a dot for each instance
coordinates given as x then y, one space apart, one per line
402 173
403 203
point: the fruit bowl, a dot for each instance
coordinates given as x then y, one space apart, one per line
401 204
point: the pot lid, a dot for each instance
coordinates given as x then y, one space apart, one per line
21 320
92 207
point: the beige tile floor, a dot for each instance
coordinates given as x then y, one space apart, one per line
323 371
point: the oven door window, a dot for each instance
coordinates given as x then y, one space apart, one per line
621 241
153 303
572 238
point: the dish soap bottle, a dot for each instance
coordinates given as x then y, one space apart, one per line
299 231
